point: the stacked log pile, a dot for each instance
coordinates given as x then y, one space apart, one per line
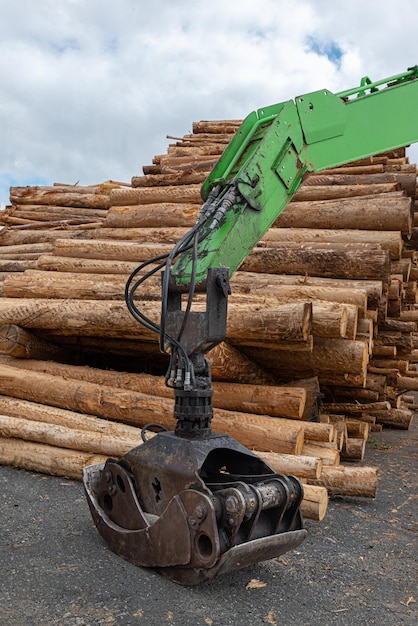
321 324
37 216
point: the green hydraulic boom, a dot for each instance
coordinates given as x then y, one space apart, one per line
277 146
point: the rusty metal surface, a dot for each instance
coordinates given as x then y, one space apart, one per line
204 506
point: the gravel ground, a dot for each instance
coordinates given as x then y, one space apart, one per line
359 566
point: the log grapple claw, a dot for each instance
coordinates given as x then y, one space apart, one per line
194 508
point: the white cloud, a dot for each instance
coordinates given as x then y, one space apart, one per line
89 90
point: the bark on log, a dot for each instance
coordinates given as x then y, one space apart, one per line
7 265
173 178
12 236
138 409
358 482
19 343
247 398
347 394
329 319
77 285
328 455
355 408
37 412
357 169
152 216
359 264
333 361
374 288
61 198
331 192
38 457
155 195
386 240
407 181
45 213
392 211
247 324
315 502
110 250
229 364
39 248
89 266
66 437
272 399
313 398
396 418
272 285
146 234
291 464
216 126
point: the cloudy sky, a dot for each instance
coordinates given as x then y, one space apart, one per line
89 89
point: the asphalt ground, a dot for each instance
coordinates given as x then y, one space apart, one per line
359 566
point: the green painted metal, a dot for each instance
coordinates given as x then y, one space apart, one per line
276 146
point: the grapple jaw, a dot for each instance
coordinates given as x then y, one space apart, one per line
194 508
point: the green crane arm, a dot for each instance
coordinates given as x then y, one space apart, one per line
277 146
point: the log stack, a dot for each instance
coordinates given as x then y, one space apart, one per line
321 345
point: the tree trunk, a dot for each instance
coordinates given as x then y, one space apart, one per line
315 502
173 178
407 181
148 234
297 465
359 482
37 412
152 215
338 239
247 323
333 361
39 457
329 456
392 211
19 343
66 437
332 192
138 409
155 195
272 285
89 266
358 264
61 198
247 398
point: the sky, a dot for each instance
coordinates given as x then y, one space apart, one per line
90 89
